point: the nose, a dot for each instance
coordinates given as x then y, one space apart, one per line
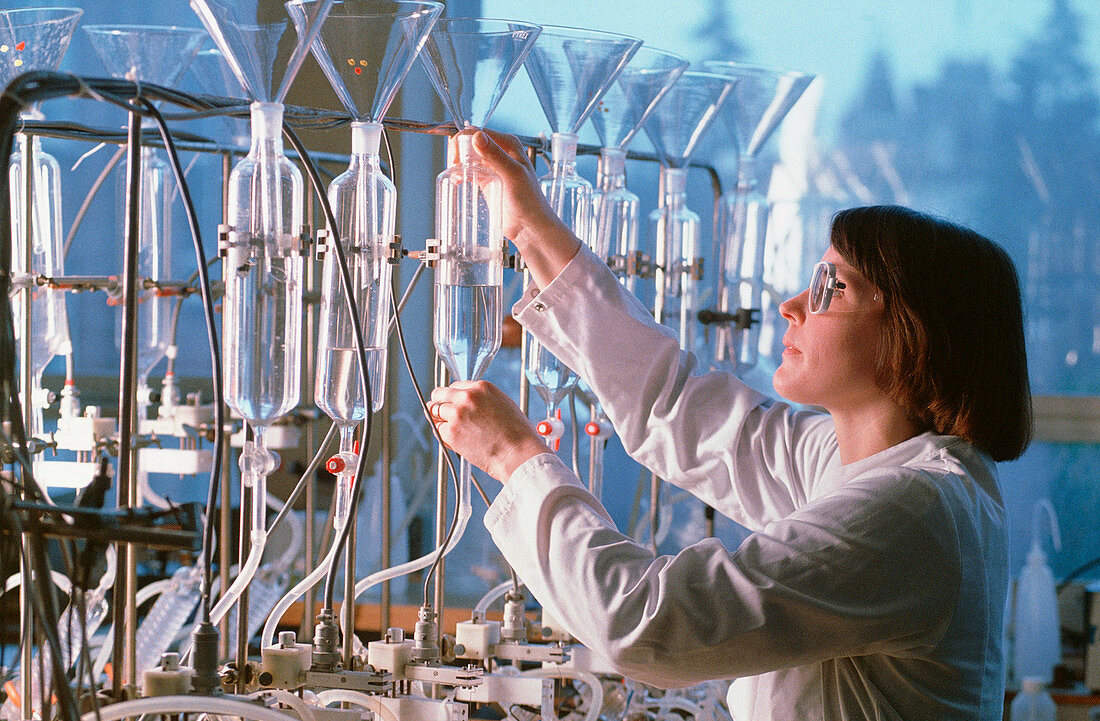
794 308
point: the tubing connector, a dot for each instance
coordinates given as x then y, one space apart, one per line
515 622
326 643
426 636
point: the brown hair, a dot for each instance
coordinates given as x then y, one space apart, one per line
953 352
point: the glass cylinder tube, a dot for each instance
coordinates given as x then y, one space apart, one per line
570 196
738 260
263 277
158 187
675 228
469 277
364 202
616 216
48 316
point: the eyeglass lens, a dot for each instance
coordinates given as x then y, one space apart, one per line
819 288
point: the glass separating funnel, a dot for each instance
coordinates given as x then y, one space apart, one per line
570 70
262 244
619 116
675 128
761 100
159 55
471 62
36 39
366 77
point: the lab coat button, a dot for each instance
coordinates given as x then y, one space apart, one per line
539 307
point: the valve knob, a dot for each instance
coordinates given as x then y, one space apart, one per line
592 428
335 465
544 428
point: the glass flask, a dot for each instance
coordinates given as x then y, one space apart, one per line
761 99
470 274
263 277
615 237
738 260
158 187
570 196
49 321
675 228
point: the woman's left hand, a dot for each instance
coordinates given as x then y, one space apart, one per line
483 425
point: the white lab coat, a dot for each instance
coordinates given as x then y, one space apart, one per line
868 591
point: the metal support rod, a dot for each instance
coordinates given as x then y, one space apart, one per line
387 474
441 379
125 610
225 521
306 627
347 610
27 377
247 499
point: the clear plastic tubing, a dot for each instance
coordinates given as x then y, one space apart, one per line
364 202
166 618
48 316
470 275
210 705
267 637
494 593
676 229
590 680
616 210
465 510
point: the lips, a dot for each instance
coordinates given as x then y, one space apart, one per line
789 347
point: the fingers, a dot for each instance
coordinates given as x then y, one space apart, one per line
509 144
503 153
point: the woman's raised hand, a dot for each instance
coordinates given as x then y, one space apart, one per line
545 243
483 425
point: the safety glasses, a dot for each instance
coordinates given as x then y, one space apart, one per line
822 284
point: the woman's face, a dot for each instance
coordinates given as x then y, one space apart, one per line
829 358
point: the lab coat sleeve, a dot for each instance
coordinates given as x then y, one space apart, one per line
871 568
752 458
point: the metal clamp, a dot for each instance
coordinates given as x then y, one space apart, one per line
395 251
225 234
533 652
430 255
694 269
322 243
639 264
305 239
446 675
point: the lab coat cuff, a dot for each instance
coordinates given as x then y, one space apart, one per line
533 480
558 293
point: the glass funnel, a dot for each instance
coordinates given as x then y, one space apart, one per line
211 74
151 54
625 107
570 70
262 245
761 99
36 39
675 128
366 78
471 62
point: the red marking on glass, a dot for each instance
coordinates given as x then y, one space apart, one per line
359 71
21 46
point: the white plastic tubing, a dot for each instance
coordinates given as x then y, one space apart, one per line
465 510
185 704
273 618
595 703
494 593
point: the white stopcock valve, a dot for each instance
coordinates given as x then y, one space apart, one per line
551 429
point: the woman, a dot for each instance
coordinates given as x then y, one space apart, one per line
873 584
